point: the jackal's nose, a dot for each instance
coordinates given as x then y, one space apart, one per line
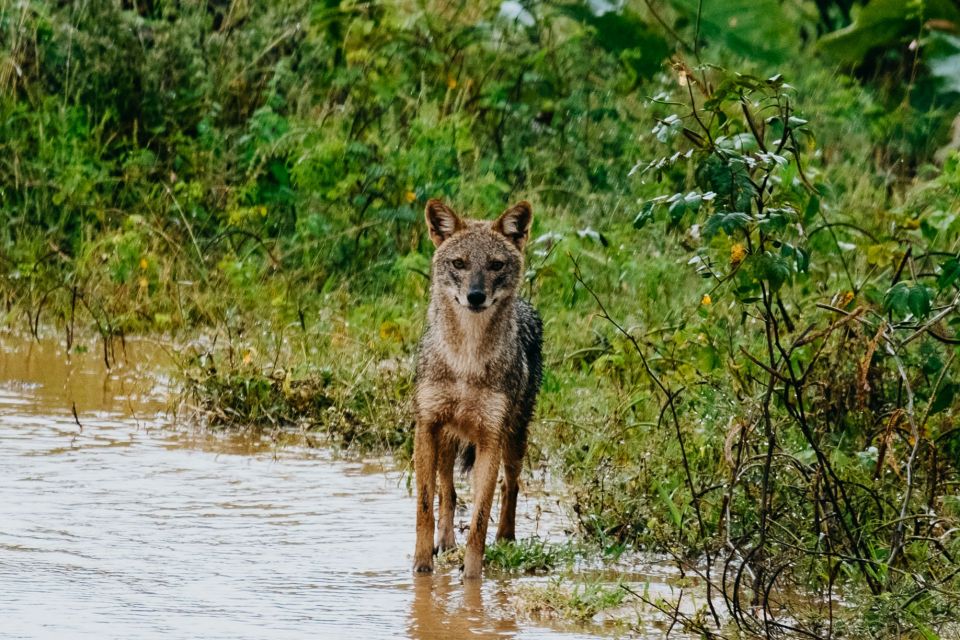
476 297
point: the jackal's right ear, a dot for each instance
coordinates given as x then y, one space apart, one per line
441 221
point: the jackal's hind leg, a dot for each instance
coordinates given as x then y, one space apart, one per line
509 488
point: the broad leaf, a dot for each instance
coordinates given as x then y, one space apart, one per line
882 23
943 58
918 300
729 222
949 272
944 397
772 269
756 29
895 299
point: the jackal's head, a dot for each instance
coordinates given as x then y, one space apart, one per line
478 263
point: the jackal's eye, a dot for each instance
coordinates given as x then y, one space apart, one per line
495 265
458 263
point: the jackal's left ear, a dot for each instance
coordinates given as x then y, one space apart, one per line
515 223
442 221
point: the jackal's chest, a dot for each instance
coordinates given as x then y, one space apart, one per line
467 409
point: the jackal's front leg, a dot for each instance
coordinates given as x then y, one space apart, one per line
484 482
425 466
447 457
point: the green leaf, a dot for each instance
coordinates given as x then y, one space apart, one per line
755 29
777 219
895 299
646 213
812 209
943 59
919 301
800 255
679 204
671 506
925 632
729 178
707 357
730 222
882 23
771 268
949 272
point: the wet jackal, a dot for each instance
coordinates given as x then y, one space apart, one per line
478 373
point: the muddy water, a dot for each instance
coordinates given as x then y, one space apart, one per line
114 525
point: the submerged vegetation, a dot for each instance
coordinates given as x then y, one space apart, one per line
746 252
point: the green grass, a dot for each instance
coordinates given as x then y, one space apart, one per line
571 599
529 556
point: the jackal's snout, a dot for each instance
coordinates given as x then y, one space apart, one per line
476 298
476 292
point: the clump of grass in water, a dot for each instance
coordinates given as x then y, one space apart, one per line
529 556
243 398
572 600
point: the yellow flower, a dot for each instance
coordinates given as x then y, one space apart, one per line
705 300
846 299
143 283
451 82
144 264
410 196
737 253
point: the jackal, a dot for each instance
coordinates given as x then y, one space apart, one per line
478 374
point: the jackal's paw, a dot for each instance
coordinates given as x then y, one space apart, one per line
423 566
445 543
472 566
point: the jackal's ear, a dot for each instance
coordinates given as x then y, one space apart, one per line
515 223
441 221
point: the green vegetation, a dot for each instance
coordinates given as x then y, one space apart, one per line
571 599
746 252
529 556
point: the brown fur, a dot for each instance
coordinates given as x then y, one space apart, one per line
478 373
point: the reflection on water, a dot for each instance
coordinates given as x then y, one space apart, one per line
444 607
121 528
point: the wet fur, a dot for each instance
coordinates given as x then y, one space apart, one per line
478 374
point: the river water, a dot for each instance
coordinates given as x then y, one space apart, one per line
115 525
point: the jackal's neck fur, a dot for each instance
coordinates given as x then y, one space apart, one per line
469 341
